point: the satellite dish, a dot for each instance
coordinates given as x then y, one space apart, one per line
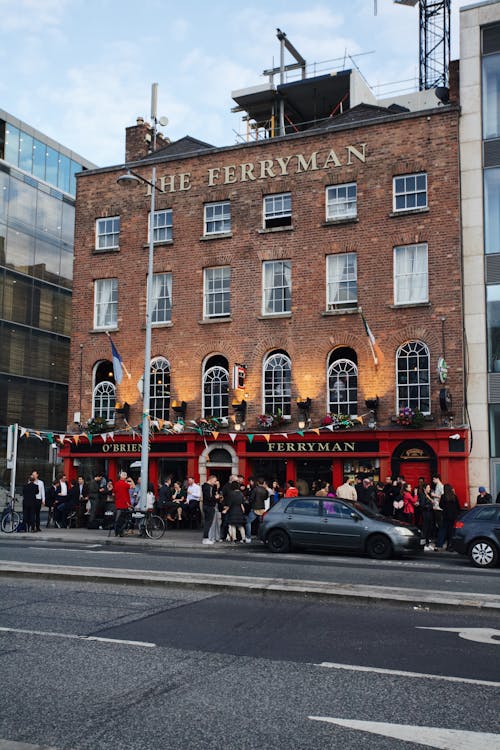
163 121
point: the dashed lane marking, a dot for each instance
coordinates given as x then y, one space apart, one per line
401 673
74 636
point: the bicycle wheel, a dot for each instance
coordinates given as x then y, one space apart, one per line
155 526
10 521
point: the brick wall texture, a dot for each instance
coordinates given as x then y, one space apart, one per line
425 142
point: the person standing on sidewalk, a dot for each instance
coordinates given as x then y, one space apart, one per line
122 502
40 498
29 500
209 498
451 508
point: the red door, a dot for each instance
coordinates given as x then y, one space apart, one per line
412 470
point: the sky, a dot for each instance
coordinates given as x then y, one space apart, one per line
80 71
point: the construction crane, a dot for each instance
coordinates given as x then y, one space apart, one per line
434 55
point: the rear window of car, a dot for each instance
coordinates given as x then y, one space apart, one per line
303 507
487 514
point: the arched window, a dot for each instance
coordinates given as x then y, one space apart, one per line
216 387
104 393
277 384
104 399
159 389
412 373
343 382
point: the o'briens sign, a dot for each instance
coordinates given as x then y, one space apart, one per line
264 169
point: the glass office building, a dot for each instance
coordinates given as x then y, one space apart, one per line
37 207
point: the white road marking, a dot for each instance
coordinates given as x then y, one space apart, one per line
480 635
400 673
82 551
73 636
11 745
428 736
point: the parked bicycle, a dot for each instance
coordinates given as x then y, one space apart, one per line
10 517
149 524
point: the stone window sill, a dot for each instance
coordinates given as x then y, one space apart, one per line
340 311
272 230
410 304
221 236
207 321
336 222
158 244
277 316
409 212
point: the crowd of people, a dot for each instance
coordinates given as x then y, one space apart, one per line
232 512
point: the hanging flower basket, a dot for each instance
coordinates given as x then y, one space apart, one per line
409 417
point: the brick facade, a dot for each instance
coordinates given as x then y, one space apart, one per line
397 144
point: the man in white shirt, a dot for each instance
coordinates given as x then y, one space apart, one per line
193 497
346 491
40 498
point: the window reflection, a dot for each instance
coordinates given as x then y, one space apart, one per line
20 251
26 152
48 214
22 203
12 145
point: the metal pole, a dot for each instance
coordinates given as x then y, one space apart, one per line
147 350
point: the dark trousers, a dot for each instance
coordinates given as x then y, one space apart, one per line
428 527
208 514
120 520
28 515
36 511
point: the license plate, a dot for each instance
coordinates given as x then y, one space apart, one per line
422 542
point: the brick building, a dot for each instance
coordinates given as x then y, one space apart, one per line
269 254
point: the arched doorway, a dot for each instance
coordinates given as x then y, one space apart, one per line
413 459
219 461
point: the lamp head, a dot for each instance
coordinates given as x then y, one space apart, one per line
127 179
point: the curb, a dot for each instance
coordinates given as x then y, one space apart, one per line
353 592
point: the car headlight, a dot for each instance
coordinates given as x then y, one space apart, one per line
403 531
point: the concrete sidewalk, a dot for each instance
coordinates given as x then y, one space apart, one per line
174 539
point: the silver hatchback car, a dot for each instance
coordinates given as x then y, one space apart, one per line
336 524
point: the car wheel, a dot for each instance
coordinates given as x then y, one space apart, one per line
278 541
483 553
379 547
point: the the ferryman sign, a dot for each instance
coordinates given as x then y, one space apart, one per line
316 446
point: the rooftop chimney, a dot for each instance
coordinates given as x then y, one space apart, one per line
138 140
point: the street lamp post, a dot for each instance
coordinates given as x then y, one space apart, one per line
131 178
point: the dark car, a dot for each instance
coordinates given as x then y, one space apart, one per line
336 524
477 534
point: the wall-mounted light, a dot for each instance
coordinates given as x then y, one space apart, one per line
179 408
372 405
123 410
240 412
304 407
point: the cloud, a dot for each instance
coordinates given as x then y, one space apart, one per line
32 15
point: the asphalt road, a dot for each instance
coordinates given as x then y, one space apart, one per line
188 670
434 571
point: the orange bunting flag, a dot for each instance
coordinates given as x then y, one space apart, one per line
215 435
267 437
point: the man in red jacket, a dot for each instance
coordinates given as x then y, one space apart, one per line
122 502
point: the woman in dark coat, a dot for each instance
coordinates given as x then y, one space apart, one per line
451 509
235 510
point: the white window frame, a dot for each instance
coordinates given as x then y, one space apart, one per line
107 233
416 391
277 210
216 218
341 201
163 224
344 374
274 295
411 274
219 278
159 379
407 190
105 304
104 400
161 305
341 281
216 380
277 393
